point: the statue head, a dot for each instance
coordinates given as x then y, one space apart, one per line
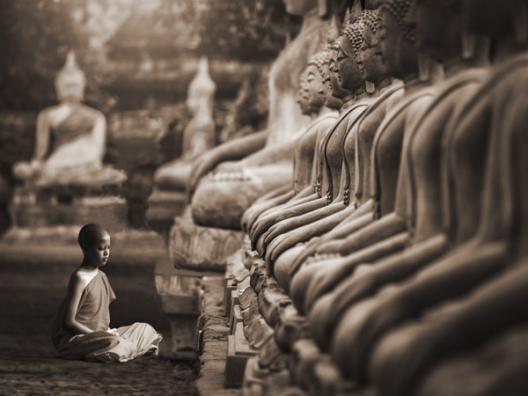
345 69
498 19
299 7
70 81
398 46
439 28
373 67
202 88
313 85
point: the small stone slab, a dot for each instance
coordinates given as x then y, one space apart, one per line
235 318
238 352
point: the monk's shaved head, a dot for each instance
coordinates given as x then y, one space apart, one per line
91 234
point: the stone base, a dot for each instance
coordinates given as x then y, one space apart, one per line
201 248
238 352
181 299
30 210
163 207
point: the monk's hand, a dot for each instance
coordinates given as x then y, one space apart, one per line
112 331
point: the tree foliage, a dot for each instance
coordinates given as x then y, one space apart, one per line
35 36
244 29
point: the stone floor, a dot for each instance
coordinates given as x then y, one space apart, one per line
29 297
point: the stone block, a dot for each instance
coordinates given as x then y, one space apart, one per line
272 301
201 248
163 207
238 352
271 357
235 318
229 287
258 332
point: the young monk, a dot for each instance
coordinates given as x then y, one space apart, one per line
81 329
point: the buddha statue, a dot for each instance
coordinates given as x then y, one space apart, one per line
221 197
262 227
371 237
478 167
70 140
312 100
424 148
199 134
351 202
169 198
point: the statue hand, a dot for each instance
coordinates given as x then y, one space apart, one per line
201 166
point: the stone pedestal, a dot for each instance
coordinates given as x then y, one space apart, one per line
201 248
163 207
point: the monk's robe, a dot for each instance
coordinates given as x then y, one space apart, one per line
101 345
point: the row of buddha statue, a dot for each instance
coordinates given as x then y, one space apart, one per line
397 237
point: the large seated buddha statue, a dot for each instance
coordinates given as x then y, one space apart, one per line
477 170
423 149
170 179
66 173
260 162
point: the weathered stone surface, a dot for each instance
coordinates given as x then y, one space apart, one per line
271 357
214 340
31 212
163 207
238 353
201 248
290 328
272 301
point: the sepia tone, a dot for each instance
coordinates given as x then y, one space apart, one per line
303 197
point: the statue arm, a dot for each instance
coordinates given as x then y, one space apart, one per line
42 142
99 137
232 150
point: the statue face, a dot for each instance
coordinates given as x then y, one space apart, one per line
315 86
438 29
70 87
373 69
299 7
491 18
348 67
399 55
302 94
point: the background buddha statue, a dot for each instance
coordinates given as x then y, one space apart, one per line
70 139
221 198
199 134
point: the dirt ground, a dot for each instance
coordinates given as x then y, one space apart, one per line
29 298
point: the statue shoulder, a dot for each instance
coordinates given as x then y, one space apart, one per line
92 112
